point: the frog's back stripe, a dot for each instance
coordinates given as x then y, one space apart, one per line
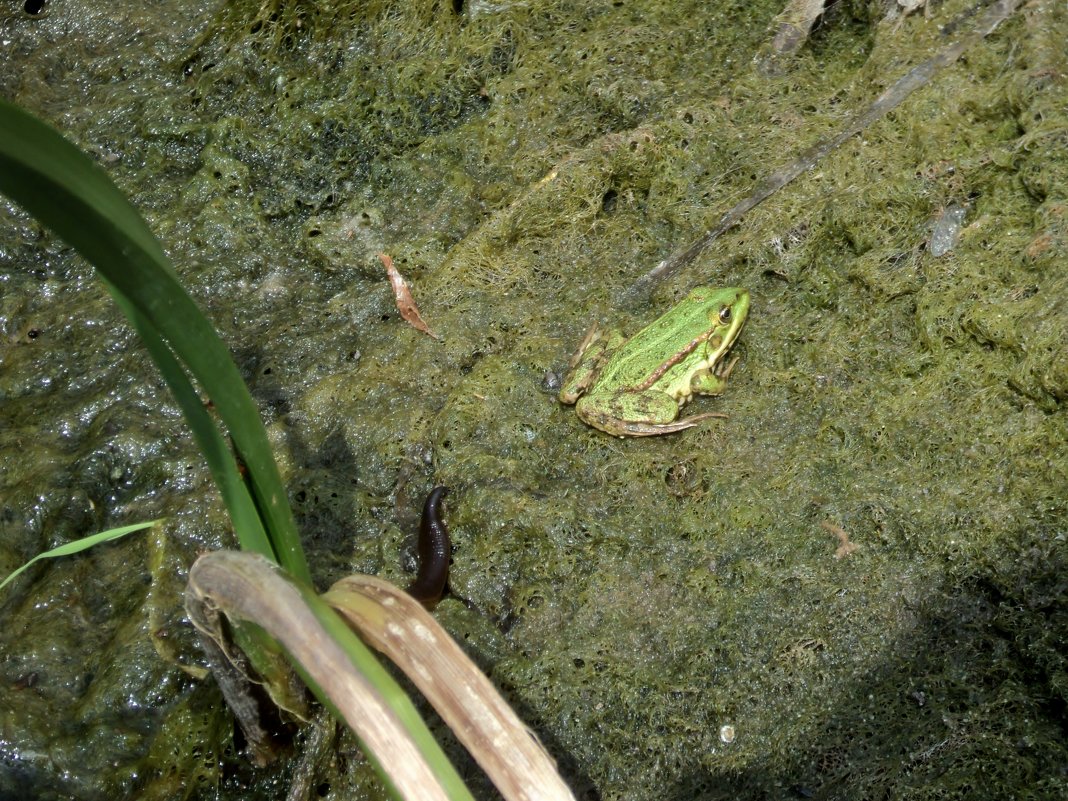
667 365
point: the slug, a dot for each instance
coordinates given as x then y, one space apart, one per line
435 551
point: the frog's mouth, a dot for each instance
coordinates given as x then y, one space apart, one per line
721 346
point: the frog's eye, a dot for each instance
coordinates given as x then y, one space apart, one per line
725 315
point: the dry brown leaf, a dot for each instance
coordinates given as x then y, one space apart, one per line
403 296
394 623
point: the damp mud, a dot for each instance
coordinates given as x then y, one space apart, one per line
851 588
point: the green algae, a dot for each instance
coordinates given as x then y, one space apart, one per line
523 165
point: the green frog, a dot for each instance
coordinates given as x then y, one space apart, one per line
635 387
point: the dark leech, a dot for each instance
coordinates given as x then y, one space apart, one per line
435 550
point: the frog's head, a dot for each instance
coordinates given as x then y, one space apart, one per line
726 311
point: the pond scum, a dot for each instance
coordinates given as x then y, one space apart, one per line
676 618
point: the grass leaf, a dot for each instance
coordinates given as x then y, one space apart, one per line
77 546
66 191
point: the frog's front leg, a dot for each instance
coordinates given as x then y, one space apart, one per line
712 382
591 355
636 414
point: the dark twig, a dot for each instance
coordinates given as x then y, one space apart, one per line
918 76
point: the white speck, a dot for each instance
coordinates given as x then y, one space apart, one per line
726 734
423 633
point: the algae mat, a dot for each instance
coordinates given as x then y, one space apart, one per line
853 587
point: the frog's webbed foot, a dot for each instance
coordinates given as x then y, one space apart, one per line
712 381
725 371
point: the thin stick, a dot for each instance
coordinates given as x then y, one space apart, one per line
890 99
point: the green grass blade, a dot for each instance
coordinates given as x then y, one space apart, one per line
246 518
67 192
77 546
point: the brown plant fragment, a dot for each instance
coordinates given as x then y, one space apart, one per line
403 297
845 547
795 23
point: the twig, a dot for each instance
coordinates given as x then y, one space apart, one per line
916 77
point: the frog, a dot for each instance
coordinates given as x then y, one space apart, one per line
636 386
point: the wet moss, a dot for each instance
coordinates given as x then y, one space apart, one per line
523 164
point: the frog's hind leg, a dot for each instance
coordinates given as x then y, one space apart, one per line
592 352
650 430
636 414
